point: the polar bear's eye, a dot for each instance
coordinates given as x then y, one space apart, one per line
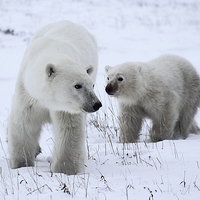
120 79
90 70
108 78
78 86
50 70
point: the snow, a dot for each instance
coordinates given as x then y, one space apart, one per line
125 30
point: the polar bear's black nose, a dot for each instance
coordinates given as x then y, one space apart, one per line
97 105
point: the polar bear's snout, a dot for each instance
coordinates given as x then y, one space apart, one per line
92 103
92 106
97 105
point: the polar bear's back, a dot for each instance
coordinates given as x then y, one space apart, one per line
73 34
63 40
65 29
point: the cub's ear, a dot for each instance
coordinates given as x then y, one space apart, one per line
107 68
89 69
50 70
139 69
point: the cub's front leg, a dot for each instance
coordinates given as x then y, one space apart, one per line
130 123
164 125
69 149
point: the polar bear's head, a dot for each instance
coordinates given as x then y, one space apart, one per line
124 81
62 87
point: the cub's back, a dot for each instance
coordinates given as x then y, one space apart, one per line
174 68
178 74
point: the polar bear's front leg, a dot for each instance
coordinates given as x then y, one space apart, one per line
69 146
23 135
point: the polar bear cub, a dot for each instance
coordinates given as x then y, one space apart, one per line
54 85
166 90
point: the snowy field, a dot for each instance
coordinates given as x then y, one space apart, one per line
126 30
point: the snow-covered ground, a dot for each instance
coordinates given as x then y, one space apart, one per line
126 30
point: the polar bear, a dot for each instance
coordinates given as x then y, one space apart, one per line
166 90
55 85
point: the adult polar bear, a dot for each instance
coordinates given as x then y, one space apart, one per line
166 89
55 85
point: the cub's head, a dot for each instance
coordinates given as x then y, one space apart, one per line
63 87
123 81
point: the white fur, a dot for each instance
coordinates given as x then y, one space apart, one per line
59 57
166 89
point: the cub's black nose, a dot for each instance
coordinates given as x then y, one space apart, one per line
108 89
97 105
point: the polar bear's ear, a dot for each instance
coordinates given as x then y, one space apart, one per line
50 70
107 68
89 69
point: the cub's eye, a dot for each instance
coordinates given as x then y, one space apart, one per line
120 79
108 78
93 86
78 86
